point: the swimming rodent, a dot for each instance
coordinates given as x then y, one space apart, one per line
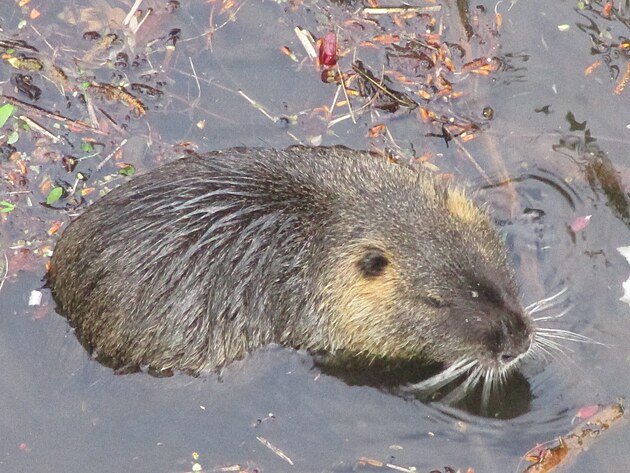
191 265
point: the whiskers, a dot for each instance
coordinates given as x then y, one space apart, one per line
443 378
548 342
472 374
546 303
467 374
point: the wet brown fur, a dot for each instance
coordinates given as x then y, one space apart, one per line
194 264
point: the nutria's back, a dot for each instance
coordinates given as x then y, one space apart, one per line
203 259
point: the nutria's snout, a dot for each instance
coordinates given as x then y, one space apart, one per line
510 341
503 329
190 266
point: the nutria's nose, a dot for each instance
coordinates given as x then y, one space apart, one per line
509 350
513 338
507 357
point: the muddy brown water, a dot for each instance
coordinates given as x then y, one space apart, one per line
62 412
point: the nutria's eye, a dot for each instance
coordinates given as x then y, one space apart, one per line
435 301
489 293
373 263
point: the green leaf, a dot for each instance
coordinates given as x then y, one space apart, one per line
87 147
13 137
5 113
128 170
6 207
54 195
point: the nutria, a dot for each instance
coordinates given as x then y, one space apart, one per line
192 265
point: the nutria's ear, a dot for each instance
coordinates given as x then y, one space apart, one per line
372 263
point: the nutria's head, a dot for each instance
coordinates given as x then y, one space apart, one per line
428 278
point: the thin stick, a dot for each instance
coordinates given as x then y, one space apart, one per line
345 93
6 271
396 10
37 127
192 66
257 106
109 156
41 112
275 449
306 40
132 12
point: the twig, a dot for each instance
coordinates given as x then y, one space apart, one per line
41 112
380 464
42 37
306 39
109 156
258 107
472 159
37 127
399 97
89 105
345 93
192 66
275 449
578 440
624 80
231 17
6 271
132 12
396 10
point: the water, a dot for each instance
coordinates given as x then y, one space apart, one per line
62 412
